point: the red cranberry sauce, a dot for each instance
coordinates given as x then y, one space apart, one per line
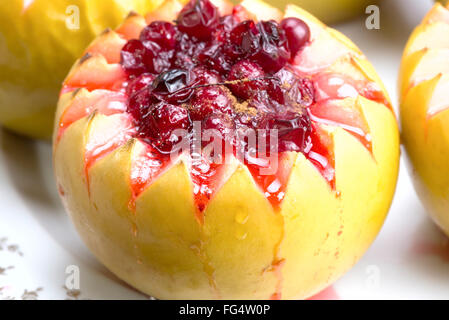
226 74
223 72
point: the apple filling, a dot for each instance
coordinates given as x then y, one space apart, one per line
225 74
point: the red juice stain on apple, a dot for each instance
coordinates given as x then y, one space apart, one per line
145 168
276 268
321 154
206 177
272 176
349 117
105 139
101 101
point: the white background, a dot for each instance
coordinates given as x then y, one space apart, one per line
409 259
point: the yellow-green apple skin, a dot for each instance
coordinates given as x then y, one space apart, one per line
424 96
162 250
329 11
39 41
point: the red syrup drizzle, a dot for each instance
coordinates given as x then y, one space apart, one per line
116 83
276 268
145 167
330 88
103 101
321 154
351 120
206 177
102 142
273 185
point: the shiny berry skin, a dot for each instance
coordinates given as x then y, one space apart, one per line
208 100
297 33
274 91
222 124
198 19
246 71
160 32
272 53
138 104
136 58
202 75
139 83
214 57
292 130
160 123
244 40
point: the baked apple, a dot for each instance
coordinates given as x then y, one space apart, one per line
296 184
424 96
39 41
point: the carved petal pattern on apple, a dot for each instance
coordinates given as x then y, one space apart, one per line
424 97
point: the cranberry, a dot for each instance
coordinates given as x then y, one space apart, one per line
244 39
162 58
214 57
136 58
160 32
247 72
139 103
219 126
160 123
210 100
274 91
198 19
227 23
201 75
139 83
187 50
297 32
292 130
223 123
272 53
240 13
171 86
302 92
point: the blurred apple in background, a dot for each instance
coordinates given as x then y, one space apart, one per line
424 96
39 41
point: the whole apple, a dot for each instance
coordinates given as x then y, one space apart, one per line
423 84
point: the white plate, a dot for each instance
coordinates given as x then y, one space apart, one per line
409 259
